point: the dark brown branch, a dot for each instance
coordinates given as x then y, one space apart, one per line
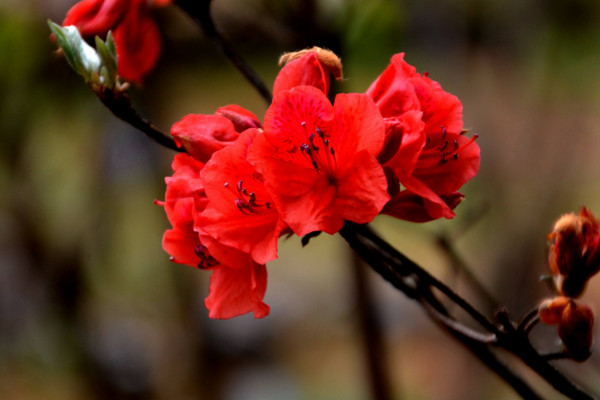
417 284
518 343
371 333
199 11
481 350
119 104
445 244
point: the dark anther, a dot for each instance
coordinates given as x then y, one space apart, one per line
455 144
320 132
226 184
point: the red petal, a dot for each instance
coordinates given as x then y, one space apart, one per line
450 176
392 91
358 125
407 131
304 71
181 244
253 230
201 135
235 292
242 119
138 42
362 193
96 17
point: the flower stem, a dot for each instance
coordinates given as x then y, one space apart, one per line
119 104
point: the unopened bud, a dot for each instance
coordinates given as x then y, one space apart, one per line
574 254
97 67
327 58
309 67
576 330
551 310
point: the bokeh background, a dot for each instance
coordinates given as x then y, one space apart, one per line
91 307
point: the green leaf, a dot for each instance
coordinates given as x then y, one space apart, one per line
82 57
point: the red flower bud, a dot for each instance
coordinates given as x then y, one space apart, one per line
574 254
309 67
551 310
576 330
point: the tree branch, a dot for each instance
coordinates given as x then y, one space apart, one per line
199 11
118 102
417 284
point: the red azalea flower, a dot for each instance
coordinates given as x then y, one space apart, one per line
425 150
238 283
135 33
240 212
318 160
201 135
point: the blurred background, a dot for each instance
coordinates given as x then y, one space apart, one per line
91 307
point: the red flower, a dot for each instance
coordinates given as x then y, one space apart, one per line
425 150
135 33
238 283
240 212
318 160
201 135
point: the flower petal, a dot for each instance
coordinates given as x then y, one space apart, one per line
235 292
201 135
138 42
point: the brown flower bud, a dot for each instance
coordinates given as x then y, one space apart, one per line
326 57
551 310
576 330
574 254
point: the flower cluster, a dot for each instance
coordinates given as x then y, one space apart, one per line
397 149
574 257
136 35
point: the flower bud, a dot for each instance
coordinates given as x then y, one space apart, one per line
97 66
576 330
551 310
309 67
574 254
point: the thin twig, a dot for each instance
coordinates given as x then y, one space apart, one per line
416 283
119 104
445 244
375 258
199 11
404 263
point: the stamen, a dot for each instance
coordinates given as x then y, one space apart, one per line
206 260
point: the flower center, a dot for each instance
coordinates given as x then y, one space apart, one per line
443 149
246 201
319 151
206 260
